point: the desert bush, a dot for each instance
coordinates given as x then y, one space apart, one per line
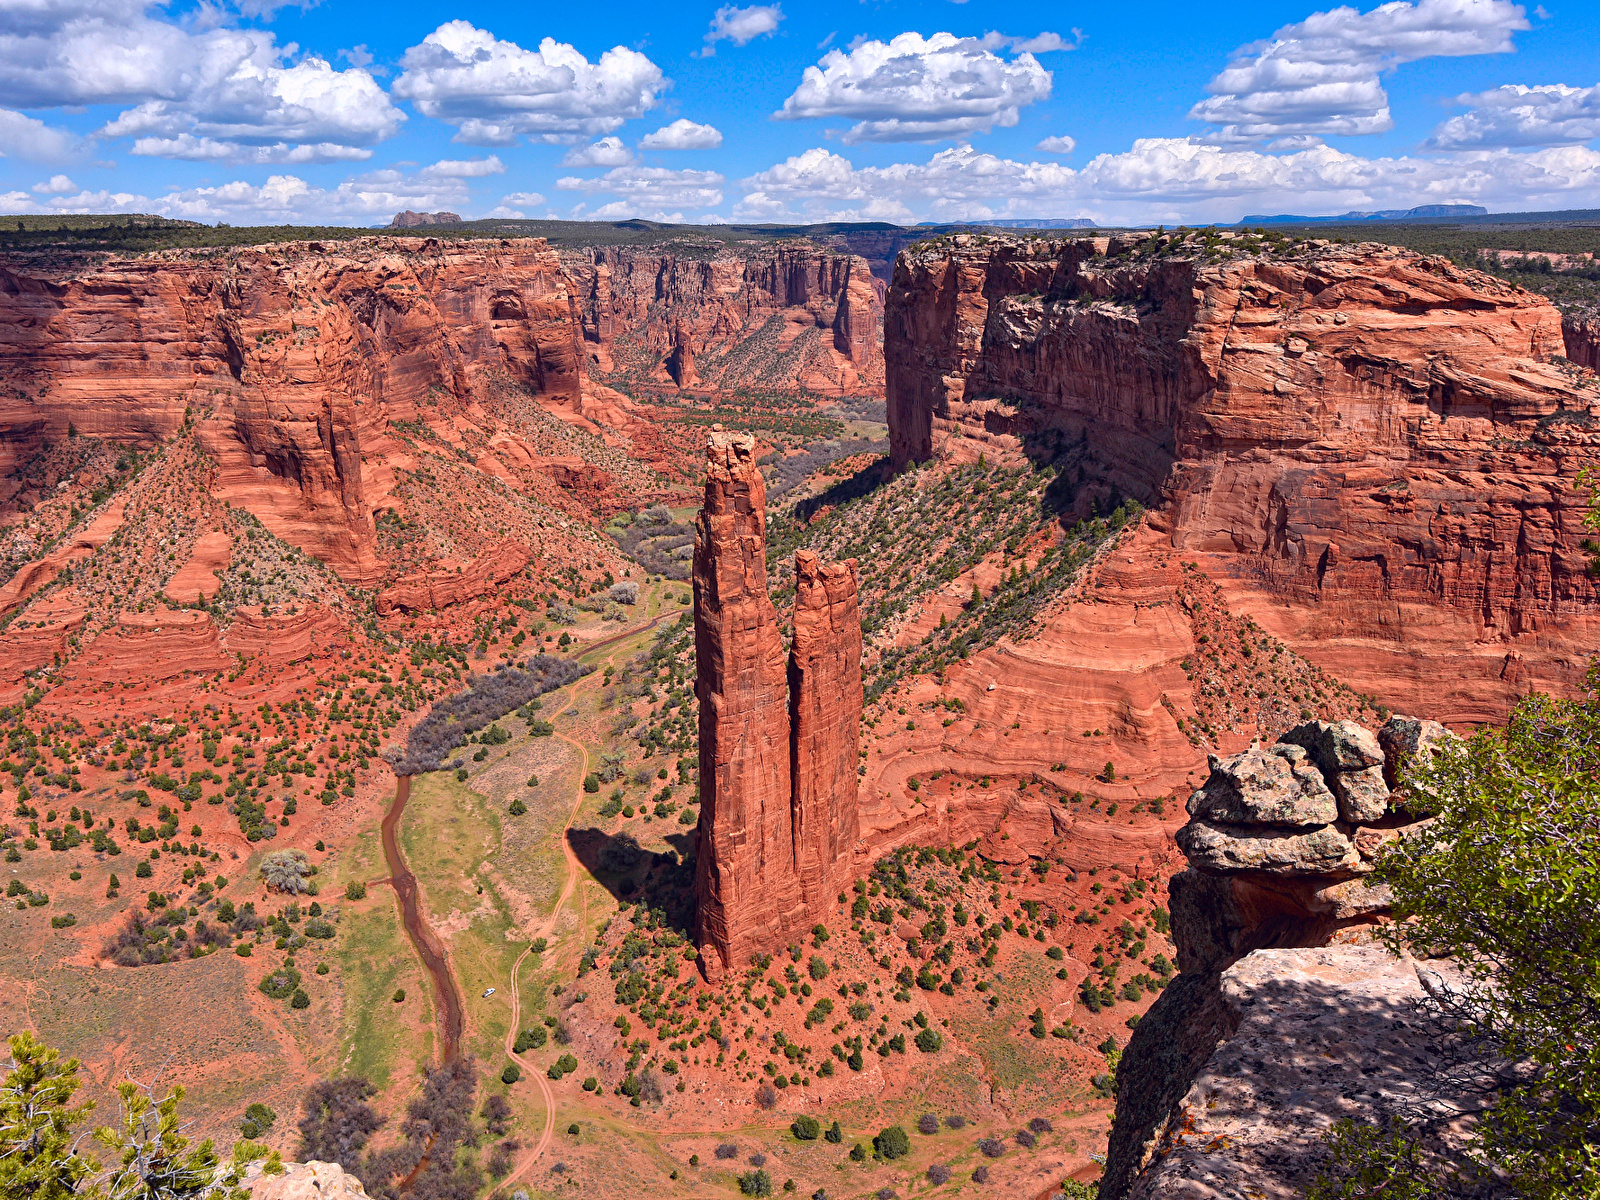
436 1125
497 1114
991 1147
927 1123
337 1122
892 1143
767 1096
626 592
938 1173
981 1175
755 1183
1041 1125
287 871
727 1150
486 699
1026 1138
955 1121
650 1086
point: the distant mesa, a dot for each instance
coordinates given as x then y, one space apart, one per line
413 220
1423 212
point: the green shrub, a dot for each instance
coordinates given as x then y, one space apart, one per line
806 1129
517 808
929 1040
591 783
511 1074
755 1183
355 891
817 968
399 995
532 1038
892 1143
834 1134
299 999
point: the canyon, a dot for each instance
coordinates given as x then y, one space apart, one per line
1170 526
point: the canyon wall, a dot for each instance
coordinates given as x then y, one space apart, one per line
1581 333
777 764
1374 451
780 316
289 359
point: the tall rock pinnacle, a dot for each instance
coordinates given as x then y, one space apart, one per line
824 719
777 762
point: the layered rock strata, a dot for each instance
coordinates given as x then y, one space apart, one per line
777 762
1376 450
291 360
785 316
1279 844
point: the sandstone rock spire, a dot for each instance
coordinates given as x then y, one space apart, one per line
824 720
777 747
745 883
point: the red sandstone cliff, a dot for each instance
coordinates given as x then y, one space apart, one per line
789 315
290 359
1374 449
777 748
1581 333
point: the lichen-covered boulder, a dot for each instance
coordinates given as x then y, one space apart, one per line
1273 785
1225 848
1352 760
1409 741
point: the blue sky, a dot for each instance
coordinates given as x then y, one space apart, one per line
335 112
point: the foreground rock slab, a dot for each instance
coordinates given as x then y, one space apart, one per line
1298 1039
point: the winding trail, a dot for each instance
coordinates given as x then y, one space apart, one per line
435 958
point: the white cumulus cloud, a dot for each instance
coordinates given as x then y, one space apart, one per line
653 188
22 136
195 91
916 89
741 25
1057 145
607 152
56 185
1162 179
470 168
1515 115
682 134
495 92
1321 75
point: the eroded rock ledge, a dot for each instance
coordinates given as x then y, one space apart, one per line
1285 1016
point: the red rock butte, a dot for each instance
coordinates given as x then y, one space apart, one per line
778 745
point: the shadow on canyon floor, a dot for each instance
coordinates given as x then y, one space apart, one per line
634 875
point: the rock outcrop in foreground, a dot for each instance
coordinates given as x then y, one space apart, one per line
777 744
1375 448
1281 1021
304 1181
